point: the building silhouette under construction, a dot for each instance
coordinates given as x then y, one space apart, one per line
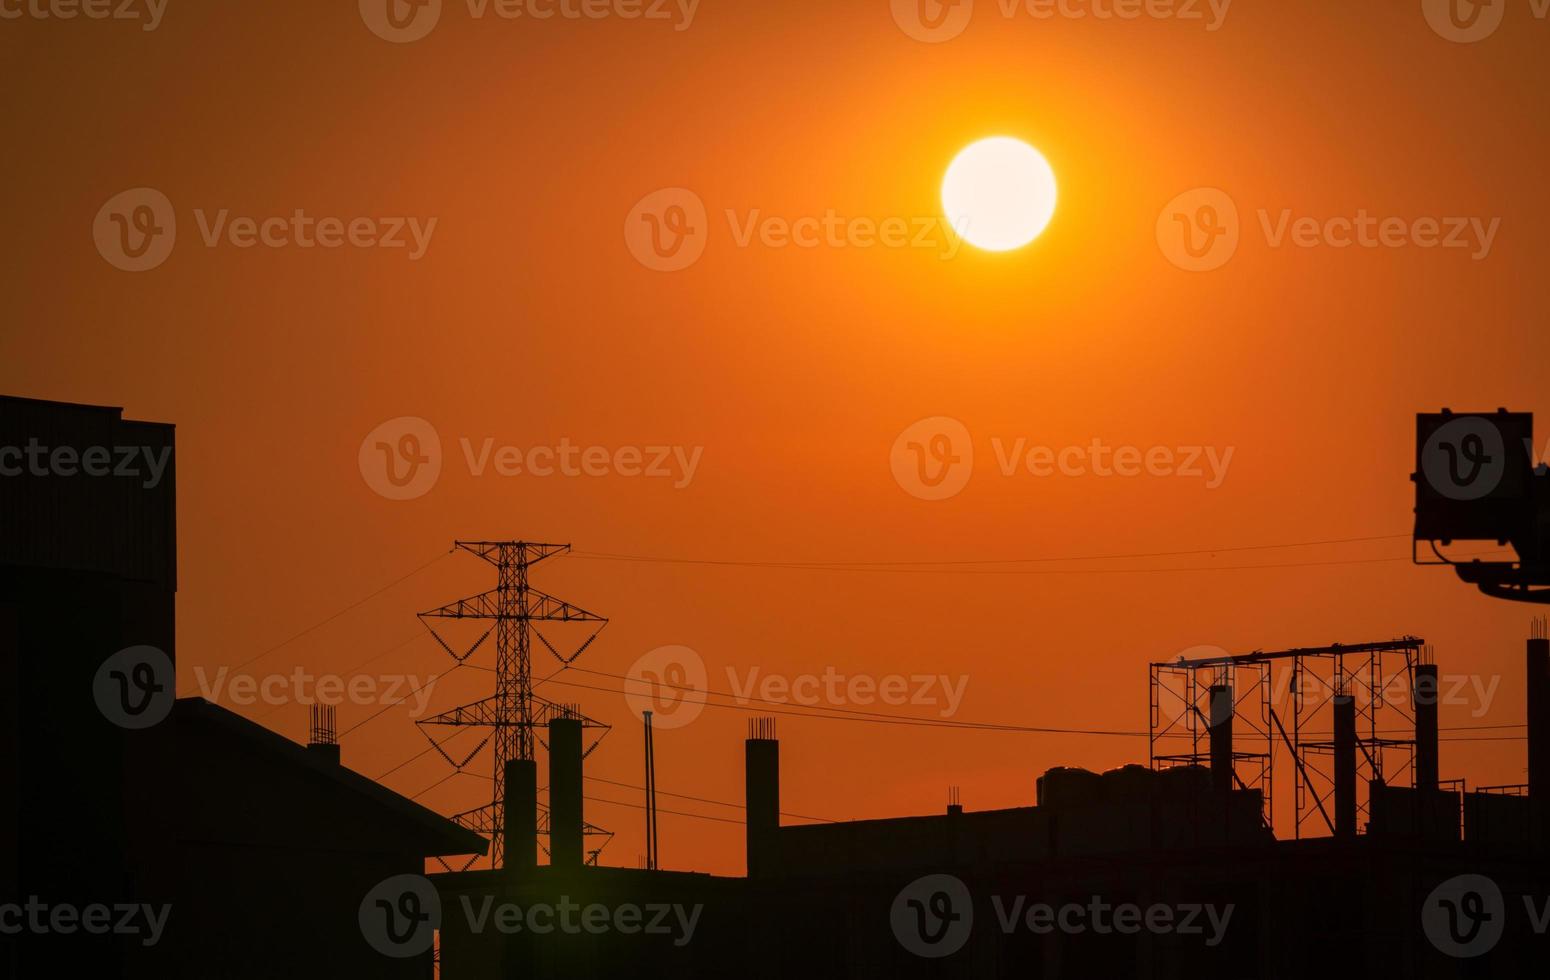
276 859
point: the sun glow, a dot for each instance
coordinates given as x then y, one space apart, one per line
999 193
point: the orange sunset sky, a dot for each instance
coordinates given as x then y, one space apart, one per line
528 321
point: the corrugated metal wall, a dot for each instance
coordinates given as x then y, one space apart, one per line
114 524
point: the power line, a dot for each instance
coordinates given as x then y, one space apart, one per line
607 556
824 712
349 674
455 772
422 752
702 799
329 619
848 714
434 678
946 569
433 744
676 813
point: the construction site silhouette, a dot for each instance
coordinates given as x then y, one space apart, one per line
1294 815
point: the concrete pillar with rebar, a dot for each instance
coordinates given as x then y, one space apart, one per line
1221 707
565 819
1345 764
762 784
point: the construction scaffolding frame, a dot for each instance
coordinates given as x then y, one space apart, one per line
1291 696
1181 709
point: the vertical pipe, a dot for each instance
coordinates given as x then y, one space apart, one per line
1345 765
1221 737
1425 704
651 795
762 787
521 830
565 792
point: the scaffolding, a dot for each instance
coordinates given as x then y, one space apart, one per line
1286 698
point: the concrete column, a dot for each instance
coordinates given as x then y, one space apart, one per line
1345 765
565 818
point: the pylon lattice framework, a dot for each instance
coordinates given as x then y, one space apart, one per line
513 712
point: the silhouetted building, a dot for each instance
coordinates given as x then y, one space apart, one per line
242 853
245 854
275 846
1168 876
88 566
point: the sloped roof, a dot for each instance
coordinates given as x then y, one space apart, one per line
437 834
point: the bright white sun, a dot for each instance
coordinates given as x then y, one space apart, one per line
999 193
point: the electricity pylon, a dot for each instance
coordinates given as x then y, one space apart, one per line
513 711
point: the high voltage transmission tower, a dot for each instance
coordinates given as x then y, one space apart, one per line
513 711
